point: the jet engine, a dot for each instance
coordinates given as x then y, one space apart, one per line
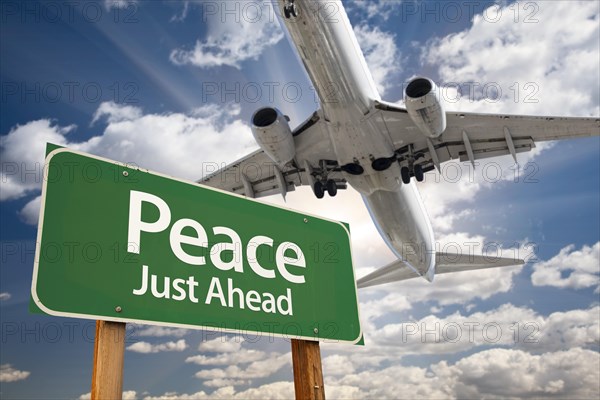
423 103
273 134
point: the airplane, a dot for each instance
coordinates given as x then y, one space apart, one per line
377 147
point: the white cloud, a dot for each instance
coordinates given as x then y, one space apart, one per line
158 331
392 302
494 373
381 54
573 374
127 395
563 330
224 382
9 374
177 144
274 391
4 296
493 54
570 268
442 193
22 155
507 325
145 347
459 182
242 356
234 39
116 112
222 344
270 391
31 212
562 69
337 365
255 370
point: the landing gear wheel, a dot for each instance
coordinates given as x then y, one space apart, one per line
405 173
319 190
331 188
419 173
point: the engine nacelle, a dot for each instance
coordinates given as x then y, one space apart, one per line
423 103
273 134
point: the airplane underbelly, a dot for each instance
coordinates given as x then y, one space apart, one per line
359 141
403 224
369 183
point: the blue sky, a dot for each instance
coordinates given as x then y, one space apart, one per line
166 84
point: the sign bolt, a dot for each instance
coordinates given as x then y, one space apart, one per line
316 330
305 220
125 173
118 309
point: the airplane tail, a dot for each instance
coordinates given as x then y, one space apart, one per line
444 263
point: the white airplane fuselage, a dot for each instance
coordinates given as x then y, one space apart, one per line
325 41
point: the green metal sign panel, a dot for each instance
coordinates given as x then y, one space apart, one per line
122 244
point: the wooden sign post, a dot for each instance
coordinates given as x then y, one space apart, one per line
109 350
308 372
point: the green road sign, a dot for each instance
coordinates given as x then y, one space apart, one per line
122 244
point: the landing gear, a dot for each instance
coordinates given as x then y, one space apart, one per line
418 171
319 190
408 158
290 10
405 173
331 188
325 178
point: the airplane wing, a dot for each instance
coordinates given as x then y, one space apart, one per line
468 137
444 263
473 136
256 175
